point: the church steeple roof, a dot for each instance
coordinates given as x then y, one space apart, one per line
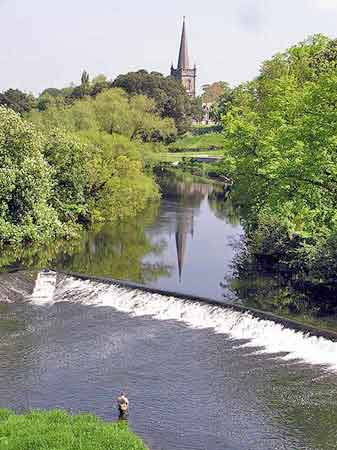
183 61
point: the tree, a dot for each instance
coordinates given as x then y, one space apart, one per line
99 159
222 104
85 83
280 140
26 183
116 186
76 164
212 92
170 97
68 157
47 100
99 84
53 92
17 100
196 109
112 111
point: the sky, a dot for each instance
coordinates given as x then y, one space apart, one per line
47 43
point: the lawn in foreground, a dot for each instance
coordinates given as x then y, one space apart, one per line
58 430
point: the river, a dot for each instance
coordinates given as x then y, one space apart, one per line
198 377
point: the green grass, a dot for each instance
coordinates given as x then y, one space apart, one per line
204 141
173 157
58 430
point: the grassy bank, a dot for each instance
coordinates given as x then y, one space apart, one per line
204 142
58 430
194 145
174 157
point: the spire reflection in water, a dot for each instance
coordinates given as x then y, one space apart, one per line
184 245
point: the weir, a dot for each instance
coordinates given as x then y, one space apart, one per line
265 331
289 323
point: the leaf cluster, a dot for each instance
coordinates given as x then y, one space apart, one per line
281 149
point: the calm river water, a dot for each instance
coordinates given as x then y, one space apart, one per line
198 377
187 245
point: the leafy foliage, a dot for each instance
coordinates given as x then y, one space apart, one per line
168 94
26 182
213 92
77 164
281 149
17 100
111 112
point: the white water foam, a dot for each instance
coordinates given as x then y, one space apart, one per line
44 289
266 335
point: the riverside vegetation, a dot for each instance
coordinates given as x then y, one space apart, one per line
58 430
279 147
280 138
56 177
79 156
85 154
88 161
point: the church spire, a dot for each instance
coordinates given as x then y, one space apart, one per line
183 61
184 73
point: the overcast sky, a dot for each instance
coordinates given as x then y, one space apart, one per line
47 43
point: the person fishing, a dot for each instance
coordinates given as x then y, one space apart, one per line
123 405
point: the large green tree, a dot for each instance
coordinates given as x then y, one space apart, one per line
212 92
82 163
171 99
25 183
111 111
17 100
281 149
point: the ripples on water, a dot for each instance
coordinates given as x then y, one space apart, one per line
199 377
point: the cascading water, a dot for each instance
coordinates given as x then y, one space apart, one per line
44 288
266 335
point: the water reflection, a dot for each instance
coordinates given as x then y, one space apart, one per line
184 228
281 293
182 245
117 250
223 207
187 243
199 241
189 197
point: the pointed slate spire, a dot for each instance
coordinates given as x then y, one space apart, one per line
183 61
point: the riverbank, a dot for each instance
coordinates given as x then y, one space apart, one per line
63 177
193 168
199 143
51 430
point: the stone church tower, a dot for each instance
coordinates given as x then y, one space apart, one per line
184 72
